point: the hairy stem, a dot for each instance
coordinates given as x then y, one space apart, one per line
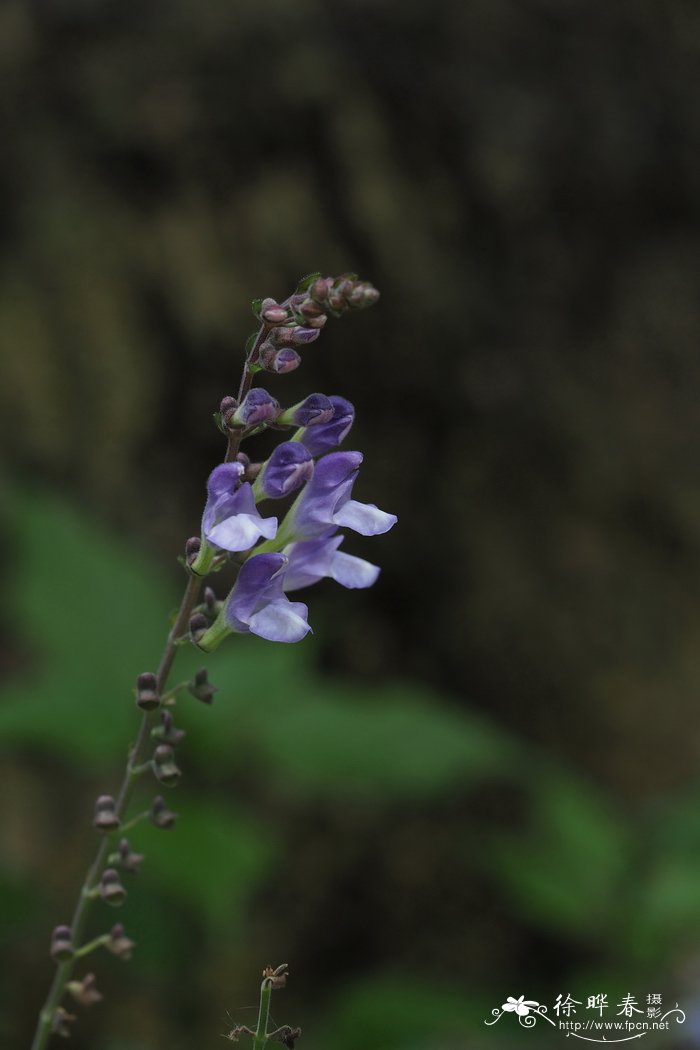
136 755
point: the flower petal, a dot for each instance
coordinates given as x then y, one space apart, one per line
353 572
281 621
364 518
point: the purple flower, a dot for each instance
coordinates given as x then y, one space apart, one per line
258 605
325 436
311 412
289 466
325 503
312 560
231 521
256 407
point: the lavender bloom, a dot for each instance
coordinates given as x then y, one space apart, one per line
289 466
312 560
257 407
231 520
257 604
312 411
325 503
325 436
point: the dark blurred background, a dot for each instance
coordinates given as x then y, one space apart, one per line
478 779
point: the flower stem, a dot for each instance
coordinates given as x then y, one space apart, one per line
136 755
263 1014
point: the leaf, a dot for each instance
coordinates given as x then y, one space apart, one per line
306 282
212 861
565 873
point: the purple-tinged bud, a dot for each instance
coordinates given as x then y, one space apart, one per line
118 943
201 688
362 295
274 314
310 310
60 1022
243 460
111 890
325 436
62 944
165 766
198 627
314 409
192 549
278 361
166 731
317 322
297 336
127 859
319 289
161 816
85 992
105 818
147 696
227 408
210 602
289 467
257 407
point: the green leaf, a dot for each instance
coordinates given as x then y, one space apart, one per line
306 282
565 873
256 307
93 615
212 861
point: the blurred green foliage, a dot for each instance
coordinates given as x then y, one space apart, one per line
90 612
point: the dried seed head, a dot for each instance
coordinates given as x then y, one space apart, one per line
165 766
147 696
85 992
61 944
161 816
111 890
118 943
105 818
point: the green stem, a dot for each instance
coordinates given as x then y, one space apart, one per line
136 754
263 1014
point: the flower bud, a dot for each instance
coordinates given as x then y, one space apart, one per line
85 991
198 627
147 696
111 890
192 549
127 859
320 288
317 322
289 467
257 407
278 361
297 336
310 310
166 731
314 409
210 602
118 943
161 816
165 766
61 944
105 818
201 688
274 314
226 409
362 295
